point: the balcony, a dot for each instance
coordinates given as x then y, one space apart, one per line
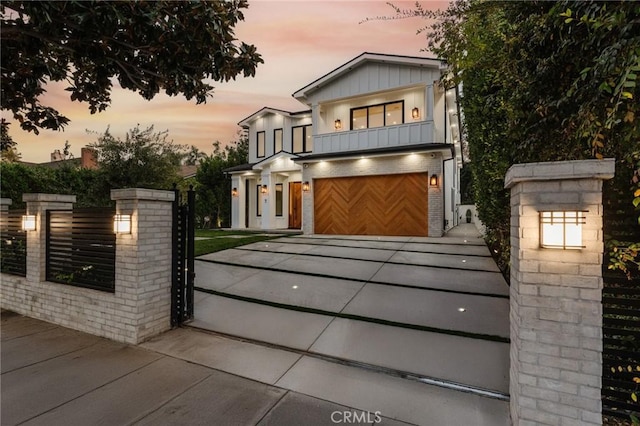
379 137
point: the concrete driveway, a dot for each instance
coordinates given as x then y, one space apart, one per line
434 310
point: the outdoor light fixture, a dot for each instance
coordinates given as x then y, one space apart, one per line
122 224
337 124
29 222
234 192
415 113
561 229
306 186
433 181
263 189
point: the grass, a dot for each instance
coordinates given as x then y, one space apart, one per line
222 240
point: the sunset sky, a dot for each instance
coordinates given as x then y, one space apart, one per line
299 41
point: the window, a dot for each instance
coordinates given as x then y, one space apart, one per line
279 189
277 141
259 200
388 114
261 144
302 139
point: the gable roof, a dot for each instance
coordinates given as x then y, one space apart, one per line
361 59
268 110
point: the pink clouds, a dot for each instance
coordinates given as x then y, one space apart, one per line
299 40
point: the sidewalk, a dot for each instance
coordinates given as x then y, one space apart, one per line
56 376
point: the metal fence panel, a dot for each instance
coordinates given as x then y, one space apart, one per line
13 244
81 248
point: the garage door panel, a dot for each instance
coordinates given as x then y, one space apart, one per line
372 205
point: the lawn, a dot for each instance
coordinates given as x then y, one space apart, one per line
222 240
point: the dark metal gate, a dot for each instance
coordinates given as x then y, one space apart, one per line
183 258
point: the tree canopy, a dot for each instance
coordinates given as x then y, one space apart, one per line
147 46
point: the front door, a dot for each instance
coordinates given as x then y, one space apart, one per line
295 205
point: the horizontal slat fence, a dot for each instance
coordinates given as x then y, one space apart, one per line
81 248
13 244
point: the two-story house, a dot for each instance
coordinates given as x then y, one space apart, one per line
377 152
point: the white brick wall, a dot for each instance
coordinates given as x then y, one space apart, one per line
140 306
555 295
406 163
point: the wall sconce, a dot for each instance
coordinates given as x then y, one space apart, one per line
415 113
306 186
561 229
122 224
263 189
337 124
234 192
29 222
433 180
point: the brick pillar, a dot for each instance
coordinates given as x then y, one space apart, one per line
143 260
4 205
556 308
38 204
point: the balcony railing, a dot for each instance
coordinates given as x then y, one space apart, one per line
379 137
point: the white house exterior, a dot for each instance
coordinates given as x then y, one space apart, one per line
377 152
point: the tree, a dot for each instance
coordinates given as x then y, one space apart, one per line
145 158
213 189
194 156
146 46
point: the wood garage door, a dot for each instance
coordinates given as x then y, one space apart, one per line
372 205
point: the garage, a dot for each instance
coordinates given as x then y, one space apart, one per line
372 205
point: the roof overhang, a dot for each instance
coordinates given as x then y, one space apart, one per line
302 94
246 122
447 149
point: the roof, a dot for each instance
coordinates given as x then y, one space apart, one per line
187 171
388 150
363 58
240 168
268 110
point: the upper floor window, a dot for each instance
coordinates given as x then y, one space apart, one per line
302 139
277 141
261 144
380 115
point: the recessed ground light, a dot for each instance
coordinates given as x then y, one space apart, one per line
465 241
461 310
464 261
294 287
266 245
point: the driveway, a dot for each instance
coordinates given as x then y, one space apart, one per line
435 310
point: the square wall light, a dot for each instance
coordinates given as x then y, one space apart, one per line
561 229
122 224
29 222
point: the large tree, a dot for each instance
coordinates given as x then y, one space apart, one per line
147 46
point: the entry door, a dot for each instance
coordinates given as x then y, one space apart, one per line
295 205
246 203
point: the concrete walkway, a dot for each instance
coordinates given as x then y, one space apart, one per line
56 376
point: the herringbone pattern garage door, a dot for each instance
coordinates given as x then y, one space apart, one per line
372 205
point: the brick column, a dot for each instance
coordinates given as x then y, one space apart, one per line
556 309
38 204
143 260
4 205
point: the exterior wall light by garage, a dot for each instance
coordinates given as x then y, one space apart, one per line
234 192
306 186
337 124
29 222
433 181
561 229
122 224
415 113
264 189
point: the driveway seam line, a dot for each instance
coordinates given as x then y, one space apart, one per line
52 358
386 241
471 335
311 274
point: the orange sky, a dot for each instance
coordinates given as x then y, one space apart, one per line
299 41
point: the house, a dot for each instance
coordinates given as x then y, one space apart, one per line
87 160
377 151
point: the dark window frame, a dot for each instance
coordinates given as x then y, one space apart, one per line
259 200
281 203
275 151
304 138
384 113
264 144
